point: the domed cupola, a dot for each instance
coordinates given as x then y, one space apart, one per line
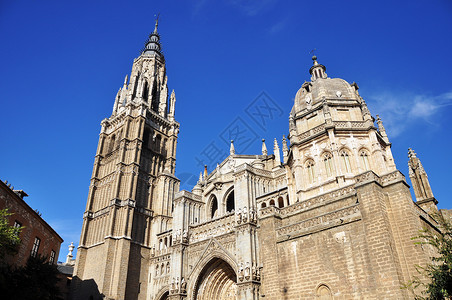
153 46
317 70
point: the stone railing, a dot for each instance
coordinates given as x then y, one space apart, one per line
269 210
318 201
212 228
337 217
350 124
392 177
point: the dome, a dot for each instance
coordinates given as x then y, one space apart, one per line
314 92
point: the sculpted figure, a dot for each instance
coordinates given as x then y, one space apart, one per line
253 215
173 285
245 215
241 271
247 270
239 216
183 285
185 236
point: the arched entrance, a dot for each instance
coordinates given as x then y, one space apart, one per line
165 296
216 281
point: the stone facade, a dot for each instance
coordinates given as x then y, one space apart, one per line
332 219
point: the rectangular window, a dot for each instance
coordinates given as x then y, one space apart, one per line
52 258
35 248
17 224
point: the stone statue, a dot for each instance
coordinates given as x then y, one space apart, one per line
239 216
240 271
183 285
245 215
253 216
185 236
247 271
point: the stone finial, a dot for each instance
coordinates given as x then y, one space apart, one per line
285 149
276 151
69 255
126 79
264 148
411 153
382 129
172 105
232 149
200 177
317 70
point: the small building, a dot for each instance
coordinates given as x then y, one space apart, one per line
37 237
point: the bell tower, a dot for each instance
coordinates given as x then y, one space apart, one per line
132 184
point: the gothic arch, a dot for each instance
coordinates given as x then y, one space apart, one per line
163 294
214 278
212 207
364 159
229 200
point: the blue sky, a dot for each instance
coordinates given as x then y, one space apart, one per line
63 62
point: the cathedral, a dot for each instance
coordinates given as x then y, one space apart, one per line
330 218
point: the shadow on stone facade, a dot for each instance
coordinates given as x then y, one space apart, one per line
85 290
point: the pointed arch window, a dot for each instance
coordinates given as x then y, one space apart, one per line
310 167
214 207
346 161
230 202
364 159
145 90
328 162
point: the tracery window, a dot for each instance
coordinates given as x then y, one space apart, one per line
310 167
346 161
328 162
364 159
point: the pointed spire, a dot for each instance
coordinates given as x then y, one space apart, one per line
232 149
382 129
317 70
421 185
285 149
264 148
200 177
205 172
172 106
156 23
126 79
152 46
276 152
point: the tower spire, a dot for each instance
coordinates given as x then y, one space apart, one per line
276 152
152 46
156 22
421 186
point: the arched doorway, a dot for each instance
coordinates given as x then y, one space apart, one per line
216 281
165 296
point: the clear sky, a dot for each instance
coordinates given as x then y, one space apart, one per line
62 63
